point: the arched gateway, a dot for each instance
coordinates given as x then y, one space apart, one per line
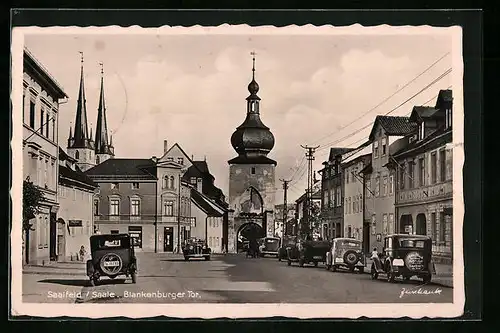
251 174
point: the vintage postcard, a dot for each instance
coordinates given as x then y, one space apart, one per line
236 171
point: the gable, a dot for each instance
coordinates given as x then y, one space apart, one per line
174 154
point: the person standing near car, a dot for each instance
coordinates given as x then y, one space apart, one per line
374 253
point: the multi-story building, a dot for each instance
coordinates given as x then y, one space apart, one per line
279 227
424 201
41 98
388 136
332 194
161 201
352 164
305 215
75 217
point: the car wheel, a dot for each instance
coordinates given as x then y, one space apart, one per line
279 258
334 268
427 278
315 264
207 258
289 263
373 273
134 277
361 270
328 267
186 258
301 262
351 269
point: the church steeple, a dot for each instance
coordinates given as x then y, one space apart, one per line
81 137
102 144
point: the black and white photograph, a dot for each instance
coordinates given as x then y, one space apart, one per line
237 171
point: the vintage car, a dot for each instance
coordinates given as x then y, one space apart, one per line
346 253
196 248
111 255
308 251
269 246
406 256
287 244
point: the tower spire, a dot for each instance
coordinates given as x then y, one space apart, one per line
81 130
101 133
253 64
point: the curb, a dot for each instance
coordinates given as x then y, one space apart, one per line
56 273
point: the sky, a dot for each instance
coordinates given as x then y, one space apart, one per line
191 90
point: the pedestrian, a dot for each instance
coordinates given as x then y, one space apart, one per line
82 253
374 253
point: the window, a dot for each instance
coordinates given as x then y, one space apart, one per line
135 207
442 227
325 198
433 168
401 177
384 224
114 207
421 171
377 186
442 165
53 129
349 232
338 193
375 149
42 119
434 227
135 186
115 186
421 131
97 160
180 160
32 114
47 124
448 119
168 208
331 203
253 171
391 223
449 165
96 207
410 174
114 232
172 182
391 184
193 180
384 186
384 146
77 155
165 181
170 159
374 224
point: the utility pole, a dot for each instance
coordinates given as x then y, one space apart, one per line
309 192
285 207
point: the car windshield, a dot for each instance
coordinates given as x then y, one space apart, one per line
271 241
103 243
412 243
350 243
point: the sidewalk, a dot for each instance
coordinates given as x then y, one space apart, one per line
72 268
443 277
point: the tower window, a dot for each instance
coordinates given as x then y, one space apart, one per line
253 170
77 154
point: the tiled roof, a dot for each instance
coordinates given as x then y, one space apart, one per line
70 177
130 168
441 132
422 112
334 151
394 125
204 203
200 169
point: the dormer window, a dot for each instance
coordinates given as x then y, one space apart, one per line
180 160
421 131
448 119
384 146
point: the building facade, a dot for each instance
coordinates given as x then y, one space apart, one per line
283 228
305 216
75 218
41 98
332 196
252 175
387 137
424 201
81 145
354 192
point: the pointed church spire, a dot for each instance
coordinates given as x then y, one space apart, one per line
101 132
81 135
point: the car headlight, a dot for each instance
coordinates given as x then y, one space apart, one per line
204 247
190 247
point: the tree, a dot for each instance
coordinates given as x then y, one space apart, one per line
32 197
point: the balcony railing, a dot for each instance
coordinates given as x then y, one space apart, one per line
426 193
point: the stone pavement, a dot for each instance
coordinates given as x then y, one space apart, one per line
443 277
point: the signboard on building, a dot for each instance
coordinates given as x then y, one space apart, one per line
75 223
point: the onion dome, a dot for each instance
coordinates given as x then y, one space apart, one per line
252 140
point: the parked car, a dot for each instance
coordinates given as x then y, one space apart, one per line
286 244
308 251
111 255
405 256
346 253
196 248
269 246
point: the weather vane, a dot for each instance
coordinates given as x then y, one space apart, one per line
102 68
81 54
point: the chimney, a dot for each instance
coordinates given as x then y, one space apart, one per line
165 146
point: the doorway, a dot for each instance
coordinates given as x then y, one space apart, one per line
53 237
421 225
168 239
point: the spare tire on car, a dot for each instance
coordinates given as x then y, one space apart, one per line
351 257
